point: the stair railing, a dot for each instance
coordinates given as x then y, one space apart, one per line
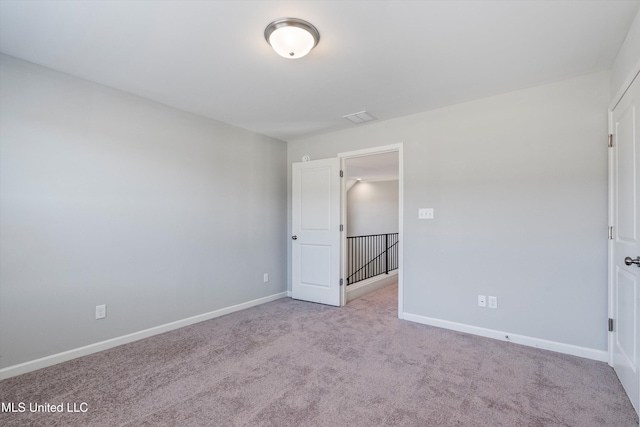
371 255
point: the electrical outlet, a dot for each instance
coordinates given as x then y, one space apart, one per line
493 302
482 301
101 311
265 278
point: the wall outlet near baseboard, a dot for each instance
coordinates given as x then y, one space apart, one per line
101 311
482 300
265 277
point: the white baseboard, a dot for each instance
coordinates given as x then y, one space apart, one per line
574 350
54 359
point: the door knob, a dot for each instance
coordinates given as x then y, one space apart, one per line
294 237
628 261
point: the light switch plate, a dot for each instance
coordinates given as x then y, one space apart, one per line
493 302
425 213
101 311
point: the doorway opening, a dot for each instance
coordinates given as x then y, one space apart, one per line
372 193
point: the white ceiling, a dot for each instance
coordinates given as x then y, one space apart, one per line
391 58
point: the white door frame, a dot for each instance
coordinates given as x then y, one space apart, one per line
343 215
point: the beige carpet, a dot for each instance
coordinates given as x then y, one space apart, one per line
291 363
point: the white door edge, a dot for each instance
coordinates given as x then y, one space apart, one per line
343 235
610 261
398 147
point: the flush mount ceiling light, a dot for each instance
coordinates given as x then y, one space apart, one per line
291 38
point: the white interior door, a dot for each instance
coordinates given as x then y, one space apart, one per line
625 246
316 231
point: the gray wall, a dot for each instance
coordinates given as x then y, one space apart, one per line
107 198
372 208
519 186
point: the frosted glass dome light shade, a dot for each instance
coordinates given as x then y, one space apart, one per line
291 38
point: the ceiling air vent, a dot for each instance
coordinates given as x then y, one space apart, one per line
360 117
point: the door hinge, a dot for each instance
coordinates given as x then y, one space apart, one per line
610 325
341 174
610 144
611 233
340 282
341 227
